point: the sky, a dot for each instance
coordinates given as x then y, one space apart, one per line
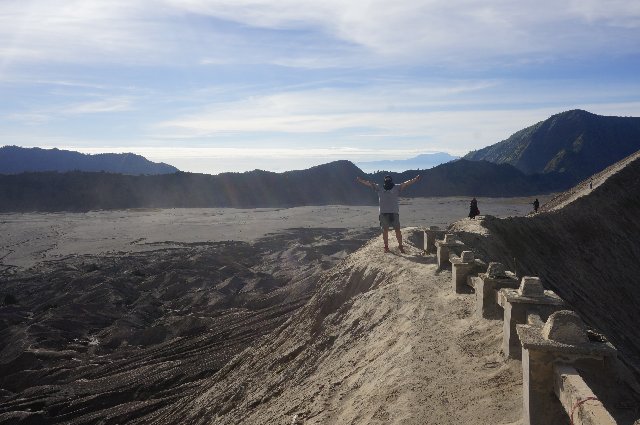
233 85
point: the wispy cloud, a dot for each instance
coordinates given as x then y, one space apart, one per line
116 104
442 30
325 110
42 115
446 115
297 32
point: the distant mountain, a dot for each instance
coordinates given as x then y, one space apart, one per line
327 184
14 160
332 183
420 162
575 144
475 178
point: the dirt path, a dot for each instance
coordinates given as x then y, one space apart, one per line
427 360
384 341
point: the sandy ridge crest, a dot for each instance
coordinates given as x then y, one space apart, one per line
382 341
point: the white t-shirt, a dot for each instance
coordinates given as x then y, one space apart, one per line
389 199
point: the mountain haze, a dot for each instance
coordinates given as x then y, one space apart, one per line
14 160
420 162
575 144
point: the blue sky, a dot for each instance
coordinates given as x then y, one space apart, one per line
234 85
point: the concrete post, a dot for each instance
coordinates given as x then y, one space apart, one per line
446 247
418 240
518 304
432 234
487 285
462 267
562 339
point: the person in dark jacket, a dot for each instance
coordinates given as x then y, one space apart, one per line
536 205
473 208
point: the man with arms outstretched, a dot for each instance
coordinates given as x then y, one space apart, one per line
389 206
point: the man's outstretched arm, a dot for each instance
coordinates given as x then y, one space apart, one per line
410 182
366 182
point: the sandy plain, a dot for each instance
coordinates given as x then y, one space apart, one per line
28 238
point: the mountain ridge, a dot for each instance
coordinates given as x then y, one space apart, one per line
575 144
327 184
16 159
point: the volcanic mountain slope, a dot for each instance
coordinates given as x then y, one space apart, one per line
111 339
586 186
575 144
585 246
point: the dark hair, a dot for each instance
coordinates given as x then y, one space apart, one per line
388 182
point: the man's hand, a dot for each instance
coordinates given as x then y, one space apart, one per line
410 182
364 182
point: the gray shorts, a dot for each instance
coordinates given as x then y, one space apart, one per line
390 220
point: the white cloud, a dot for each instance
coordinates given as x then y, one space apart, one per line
381 106
43 115
28 118
115 104
359 32
91 31
453 116
438 30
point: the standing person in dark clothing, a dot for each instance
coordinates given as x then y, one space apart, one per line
536 205
389 206
473 208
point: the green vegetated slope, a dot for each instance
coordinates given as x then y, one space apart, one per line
575 144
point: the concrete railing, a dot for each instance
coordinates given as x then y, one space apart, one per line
577 399
552 342
462 267
445 247
529 298
563 340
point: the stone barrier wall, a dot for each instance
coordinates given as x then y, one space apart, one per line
552 342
